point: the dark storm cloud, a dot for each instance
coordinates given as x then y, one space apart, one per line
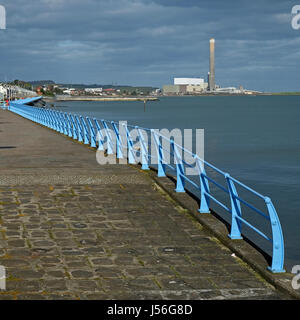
148 42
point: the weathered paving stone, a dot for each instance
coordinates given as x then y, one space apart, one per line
79 225
102 261
139 272
43 251
61 296
15 263
87 233
87 242
198 283
82 274
27 274
142 284
33 286
3 244
13 234
50 259
54 285
38 234
56 274
43 243
19 252
124 260
4 296
95 296
71 252
66 243
31 297
108 272
94 250
83 285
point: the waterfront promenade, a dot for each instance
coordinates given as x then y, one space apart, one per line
73 229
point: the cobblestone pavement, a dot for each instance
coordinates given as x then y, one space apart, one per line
112 242
102 239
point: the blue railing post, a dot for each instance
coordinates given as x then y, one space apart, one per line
118 141
144 150
277 235
43 118
55 127
52 121
65 124
204 187
57 120
108 138
79 128
179 168
92 131
236 211
85 131
60 122
49 119
75 130
159 152
130 151
69 125
99 136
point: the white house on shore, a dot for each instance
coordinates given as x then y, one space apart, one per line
97 91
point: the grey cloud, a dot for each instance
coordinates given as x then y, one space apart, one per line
149 41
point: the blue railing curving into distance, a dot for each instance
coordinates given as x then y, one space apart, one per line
98 134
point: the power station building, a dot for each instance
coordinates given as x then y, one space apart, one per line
184 86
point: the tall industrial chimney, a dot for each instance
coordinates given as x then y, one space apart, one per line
212 65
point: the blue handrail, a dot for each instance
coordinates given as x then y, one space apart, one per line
98 133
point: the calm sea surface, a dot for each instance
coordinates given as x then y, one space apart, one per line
255 139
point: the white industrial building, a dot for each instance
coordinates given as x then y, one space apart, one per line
231 90
188 81
94 90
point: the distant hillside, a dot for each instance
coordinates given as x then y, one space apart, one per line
104 86
38 83
124 89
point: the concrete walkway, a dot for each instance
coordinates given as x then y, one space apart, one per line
73 229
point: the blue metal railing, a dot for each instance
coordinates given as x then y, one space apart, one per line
99 134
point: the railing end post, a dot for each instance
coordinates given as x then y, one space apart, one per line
279 270
204 211
145 167
235 237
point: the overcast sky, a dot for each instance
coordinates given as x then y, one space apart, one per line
148 42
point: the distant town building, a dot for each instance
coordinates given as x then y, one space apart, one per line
94 90
8 91
70 91
109 91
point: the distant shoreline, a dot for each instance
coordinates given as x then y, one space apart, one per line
286 93
92 98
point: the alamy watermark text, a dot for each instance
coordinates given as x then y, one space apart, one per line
2 17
